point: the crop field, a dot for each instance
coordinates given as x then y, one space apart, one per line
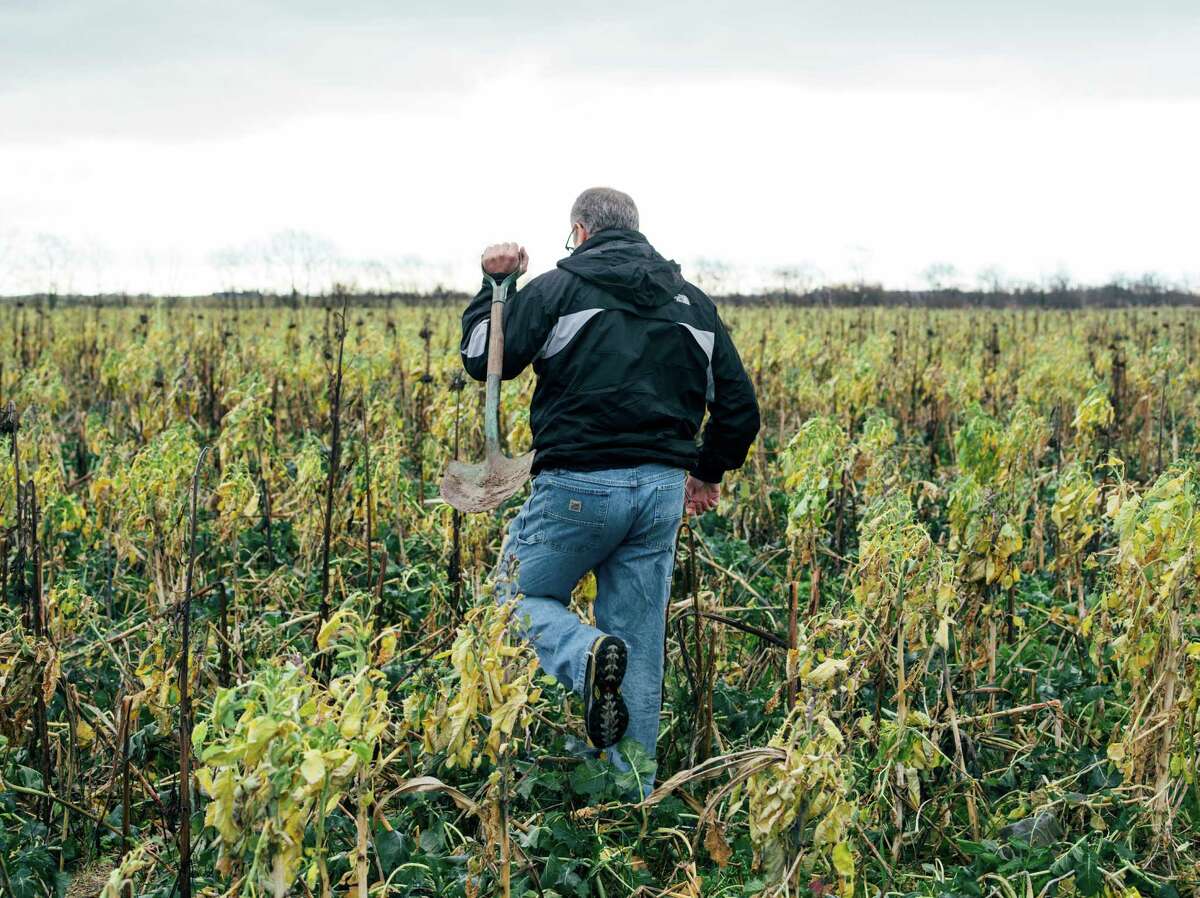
940 638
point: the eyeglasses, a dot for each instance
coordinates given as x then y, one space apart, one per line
567 246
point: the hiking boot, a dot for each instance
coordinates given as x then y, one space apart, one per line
604 709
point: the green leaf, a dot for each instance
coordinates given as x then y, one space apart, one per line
641 767
589 778
531 838
1088 880
433 840
552 872
394 849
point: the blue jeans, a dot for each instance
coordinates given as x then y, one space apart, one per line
620 523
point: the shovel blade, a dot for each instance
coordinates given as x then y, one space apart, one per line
484 485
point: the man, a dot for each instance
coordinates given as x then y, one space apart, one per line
628 355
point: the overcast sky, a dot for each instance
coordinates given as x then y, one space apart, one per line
166 145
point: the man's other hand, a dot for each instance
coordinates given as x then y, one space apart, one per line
502 259
699 497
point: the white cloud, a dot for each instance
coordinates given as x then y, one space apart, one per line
396 138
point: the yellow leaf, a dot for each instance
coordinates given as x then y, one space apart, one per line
199 731
1116 752
312 768
843 860
387 649
84 734
826 670
587 587
351 722
204 778
327 632
943 634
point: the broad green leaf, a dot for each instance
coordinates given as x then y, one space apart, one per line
1088 879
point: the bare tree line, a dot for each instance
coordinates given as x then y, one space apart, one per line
296 263
290 261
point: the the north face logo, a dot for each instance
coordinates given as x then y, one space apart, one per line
679 297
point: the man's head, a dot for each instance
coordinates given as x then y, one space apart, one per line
599 208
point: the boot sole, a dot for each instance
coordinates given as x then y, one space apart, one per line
607 716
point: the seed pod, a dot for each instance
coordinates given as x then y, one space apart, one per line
9 420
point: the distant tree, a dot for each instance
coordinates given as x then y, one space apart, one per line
859 264
940 276
299 258
96 258
1059 281
374 275
1149 284
52 258
234 267
796 279
8 263
411 273
992 279
712 275
171 268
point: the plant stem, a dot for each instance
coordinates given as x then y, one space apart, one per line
185 701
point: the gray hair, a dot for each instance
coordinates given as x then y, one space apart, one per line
598 208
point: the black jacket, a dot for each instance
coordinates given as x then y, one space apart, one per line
628 355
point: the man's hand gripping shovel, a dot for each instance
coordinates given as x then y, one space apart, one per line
485 485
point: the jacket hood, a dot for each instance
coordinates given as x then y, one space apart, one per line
623 263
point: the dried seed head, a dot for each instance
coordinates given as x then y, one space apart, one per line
9 420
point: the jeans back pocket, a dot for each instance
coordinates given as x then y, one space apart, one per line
667 511
573 515
574 502
668 502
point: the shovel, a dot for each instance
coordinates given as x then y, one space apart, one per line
486 484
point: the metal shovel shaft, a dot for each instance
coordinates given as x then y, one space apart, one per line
484 486
495 364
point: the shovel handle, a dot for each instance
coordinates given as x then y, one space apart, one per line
495 362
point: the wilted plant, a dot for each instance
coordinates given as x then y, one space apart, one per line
1093 415
1076 515
801 809
486 695
280 751
1152 626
